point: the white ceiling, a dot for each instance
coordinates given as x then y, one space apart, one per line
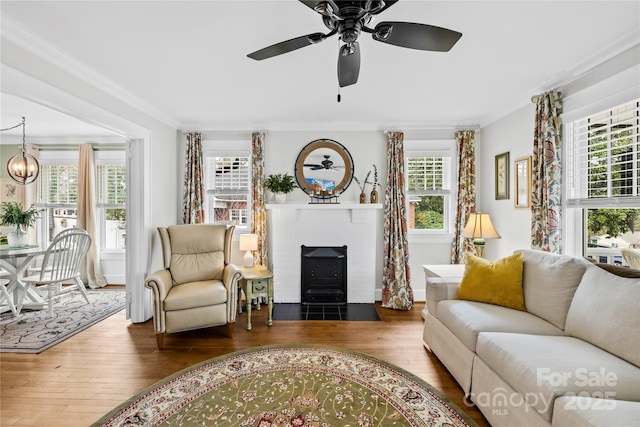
185 61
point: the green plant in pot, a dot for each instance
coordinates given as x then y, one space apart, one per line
14 215
280 184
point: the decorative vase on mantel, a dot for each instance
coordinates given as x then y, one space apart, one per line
18 237
374 196
363 197
281 198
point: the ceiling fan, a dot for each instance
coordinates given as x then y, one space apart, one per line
325 164
348 19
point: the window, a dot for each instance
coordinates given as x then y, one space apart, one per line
429 181
111 183
58 195
603 182
228 191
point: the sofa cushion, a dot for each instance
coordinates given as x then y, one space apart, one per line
605 313
586 411
497 283
543 368
197 252
195 294
549 282
466 319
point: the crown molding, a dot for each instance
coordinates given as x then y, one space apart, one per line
325 127
596 59
17 34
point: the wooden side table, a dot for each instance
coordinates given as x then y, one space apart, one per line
257 282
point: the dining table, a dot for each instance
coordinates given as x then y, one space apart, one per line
15 260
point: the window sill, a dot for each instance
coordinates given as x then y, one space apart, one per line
430 237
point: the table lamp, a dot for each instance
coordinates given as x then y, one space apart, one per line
479 227
248 242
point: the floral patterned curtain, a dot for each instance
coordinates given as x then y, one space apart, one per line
396 275
258 211
546 174
466 145
193 188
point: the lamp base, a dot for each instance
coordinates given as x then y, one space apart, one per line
478 243
248 259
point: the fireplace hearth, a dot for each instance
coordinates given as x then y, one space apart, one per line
323 278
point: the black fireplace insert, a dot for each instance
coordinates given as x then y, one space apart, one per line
324 275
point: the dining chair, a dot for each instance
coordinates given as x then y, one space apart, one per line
61 265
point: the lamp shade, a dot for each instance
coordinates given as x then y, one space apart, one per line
248 242
480 226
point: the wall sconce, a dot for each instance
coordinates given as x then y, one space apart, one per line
248 242
23 168
479 227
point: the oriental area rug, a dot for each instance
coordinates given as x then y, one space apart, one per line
292 385
33 331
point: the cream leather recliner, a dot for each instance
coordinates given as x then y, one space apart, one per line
198 287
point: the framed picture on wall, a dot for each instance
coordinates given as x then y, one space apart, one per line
8 190
502 176
522 174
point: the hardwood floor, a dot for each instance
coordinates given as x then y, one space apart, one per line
79 380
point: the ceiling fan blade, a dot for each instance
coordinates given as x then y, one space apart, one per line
416 36
348 65
287 46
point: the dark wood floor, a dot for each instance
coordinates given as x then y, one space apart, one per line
77 381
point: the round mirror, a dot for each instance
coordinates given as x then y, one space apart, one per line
323 168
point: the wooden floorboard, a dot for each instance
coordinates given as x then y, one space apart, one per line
77 381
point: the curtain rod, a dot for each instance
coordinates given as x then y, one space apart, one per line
75 147
535 98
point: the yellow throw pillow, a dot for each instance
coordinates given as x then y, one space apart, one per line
498 283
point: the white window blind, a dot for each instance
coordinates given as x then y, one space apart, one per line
58 184
429 185
603 158
229 174
111 182
228 179
428 174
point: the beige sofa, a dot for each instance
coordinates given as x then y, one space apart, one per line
571 359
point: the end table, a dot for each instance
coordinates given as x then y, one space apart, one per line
256 282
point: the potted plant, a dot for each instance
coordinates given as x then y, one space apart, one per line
13 214
280 184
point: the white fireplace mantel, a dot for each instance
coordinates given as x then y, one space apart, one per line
291 225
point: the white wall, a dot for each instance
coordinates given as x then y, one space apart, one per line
34 78
512 134
610 83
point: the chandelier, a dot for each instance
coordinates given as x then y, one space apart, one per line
23 168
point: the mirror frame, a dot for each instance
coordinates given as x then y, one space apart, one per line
332 145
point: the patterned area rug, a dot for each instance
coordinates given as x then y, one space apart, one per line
289 386
33 331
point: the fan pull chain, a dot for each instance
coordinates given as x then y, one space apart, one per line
339 97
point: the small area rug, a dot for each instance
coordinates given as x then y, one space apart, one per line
33 331
293 385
